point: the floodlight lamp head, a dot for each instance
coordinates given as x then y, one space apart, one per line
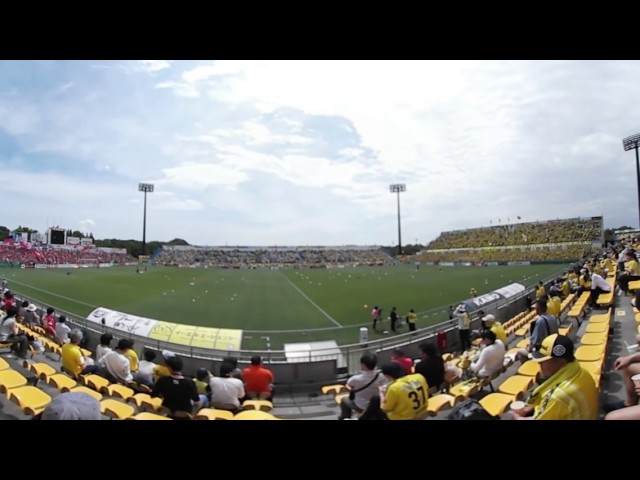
631 142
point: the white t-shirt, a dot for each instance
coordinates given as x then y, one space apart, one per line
226 390
62 332
101 351
598 282
359 381
145 370
118 366
490 360
6 329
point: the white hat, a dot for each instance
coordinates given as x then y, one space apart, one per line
489 318
72 406
31 308
461 308
168 354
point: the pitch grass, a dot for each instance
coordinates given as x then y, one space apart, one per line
266 303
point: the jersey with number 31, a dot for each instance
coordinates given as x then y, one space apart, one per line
406 397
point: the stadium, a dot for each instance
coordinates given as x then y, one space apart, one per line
321 332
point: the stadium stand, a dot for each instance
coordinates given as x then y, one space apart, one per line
600 333
261 257
553 240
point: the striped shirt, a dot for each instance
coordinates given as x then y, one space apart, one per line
569 394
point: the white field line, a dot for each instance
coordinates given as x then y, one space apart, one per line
311 301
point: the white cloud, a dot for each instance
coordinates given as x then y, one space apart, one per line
155 65
202 176
87 223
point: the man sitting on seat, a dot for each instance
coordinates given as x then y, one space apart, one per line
363 386
258 380
568 393
226 391
73 361
179 393
543 326
491 357
115 365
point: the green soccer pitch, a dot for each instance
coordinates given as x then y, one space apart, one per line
286 306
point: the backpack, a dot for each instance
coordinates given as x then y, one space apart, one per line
470 409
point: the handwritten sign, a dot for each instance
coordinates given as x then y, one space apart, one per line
199 337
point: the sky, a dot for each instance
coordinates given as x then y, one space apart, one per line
303 152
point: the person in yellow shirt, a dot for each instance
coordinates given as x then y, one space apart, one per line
162 370
540 291
411 320
554 306
406 396
71 356
568 393
133 358
496 327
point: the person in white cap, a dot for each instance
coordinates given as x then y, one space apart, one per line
464 325
496 327
31 317
72 406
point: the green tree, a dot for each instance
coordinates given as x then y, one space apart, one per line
4 232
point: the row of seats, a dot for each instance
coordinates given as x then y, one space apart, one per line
117 401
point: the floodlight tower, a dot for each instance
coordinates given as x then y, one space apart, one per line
398 188
146 188
633 142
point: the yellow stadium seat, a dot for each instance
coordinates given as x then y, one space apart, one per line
440 402
83 389
30 399
95 381
115 409
593 339
516 385
11 379
335 389
338 398
597 328
152 403
118 391
213 414
85 352
600 318
590 353
62 381
522 343
263 405
565 330
497 403
529 369
254 415
465 389
139 398
147 416
41 370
